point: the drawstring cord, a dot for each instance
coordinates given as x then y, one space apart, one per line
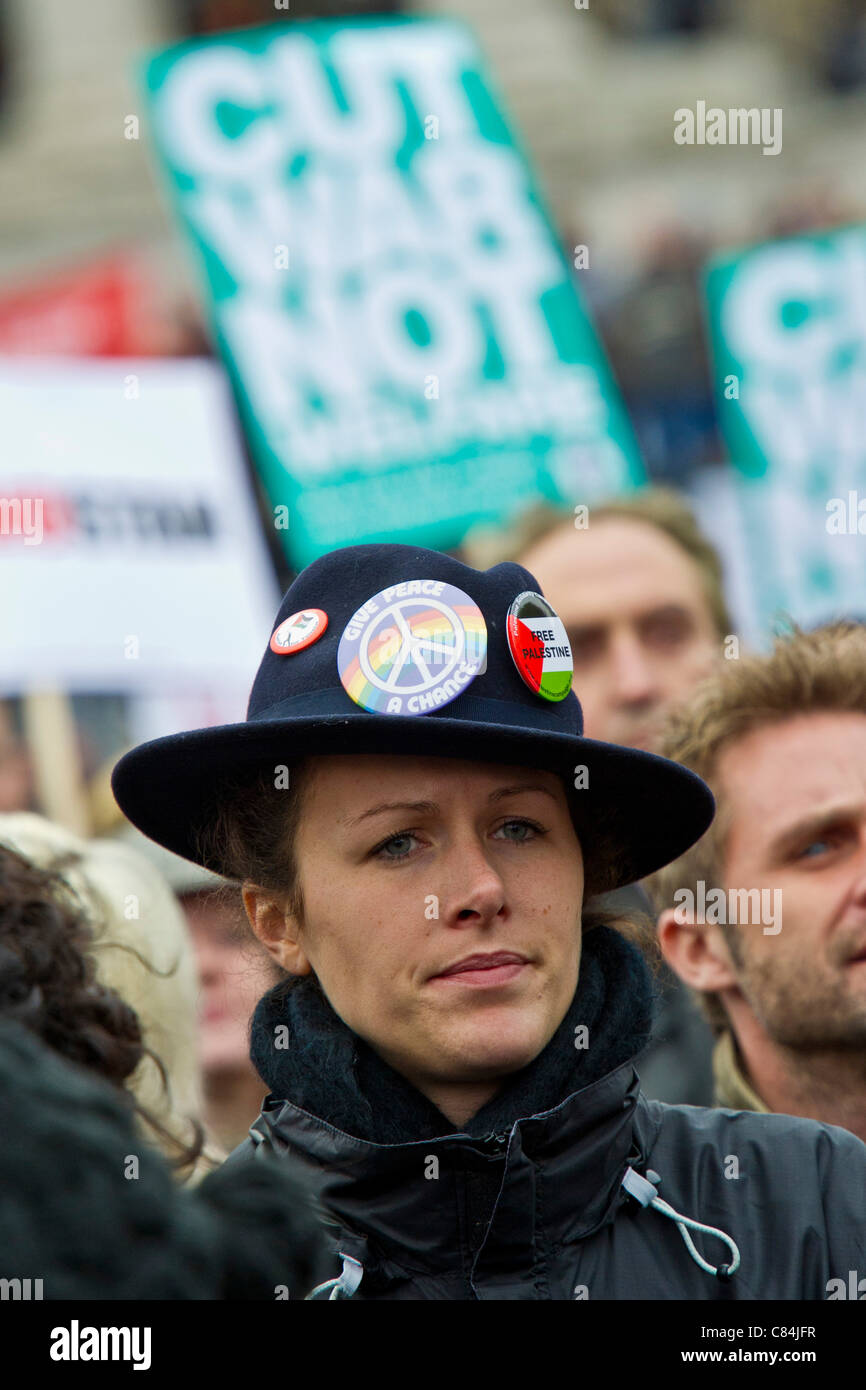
644 1192
345 1284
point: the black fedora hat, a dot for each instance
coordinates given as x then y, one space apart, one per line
397 649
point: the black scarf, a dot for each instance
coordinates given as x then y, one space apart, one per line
329 1071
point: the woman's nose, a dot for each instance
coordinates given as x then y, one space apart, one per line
475 889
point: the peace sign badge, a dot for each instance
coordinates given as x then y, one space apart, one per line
412 648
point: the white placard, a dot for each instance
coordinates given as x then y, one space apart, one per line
131 553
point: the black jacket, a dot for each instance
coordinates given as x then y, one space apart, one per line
568 1183
789 1193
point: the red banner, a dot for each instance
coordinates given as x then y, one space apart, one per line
103 309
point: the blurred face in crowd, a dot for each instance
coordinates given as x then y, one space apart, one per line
641 629
410 866
234 973
796 796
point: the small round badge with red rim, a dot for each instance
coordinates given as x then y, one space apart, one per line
299 630
539 646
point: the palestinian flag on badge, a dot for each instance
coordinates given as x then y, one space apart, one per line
542 654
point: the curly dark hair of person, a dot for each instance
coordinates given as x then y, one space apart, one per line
48 983
247 1231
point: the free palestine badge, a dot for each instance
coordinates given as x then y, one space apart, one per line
299 631
539 646
412 648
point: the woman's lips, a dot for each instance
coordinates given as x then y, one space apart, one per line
485 977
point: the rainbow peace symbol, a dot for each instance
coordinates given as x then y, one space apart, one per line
412 648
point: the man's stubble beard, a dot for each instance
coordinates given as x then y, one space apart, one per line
798 1008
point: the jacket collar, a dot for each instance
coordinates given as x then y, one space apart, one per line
396 1205
733 1090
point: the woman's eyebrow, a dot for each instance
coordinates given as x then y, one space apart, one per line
423 808
502 792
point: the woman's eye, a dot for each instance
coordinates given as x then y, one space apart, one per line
395 848
520 826
401 846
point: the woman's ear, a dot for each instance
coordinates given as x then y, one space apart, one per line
276 927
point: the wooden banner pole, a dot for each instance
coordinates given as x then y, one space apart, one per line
52 740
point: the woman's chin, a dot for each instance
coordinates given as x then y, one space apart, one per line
484 1053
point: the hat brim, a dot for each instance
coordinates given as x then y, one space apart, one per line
649 809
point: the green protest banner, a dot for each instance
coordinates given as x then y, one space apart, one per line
788 329
403 332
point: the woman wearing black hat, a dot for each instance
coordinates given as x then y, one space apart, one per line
418 824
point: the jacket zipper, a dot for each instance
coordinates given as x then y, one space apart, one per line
497 1143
